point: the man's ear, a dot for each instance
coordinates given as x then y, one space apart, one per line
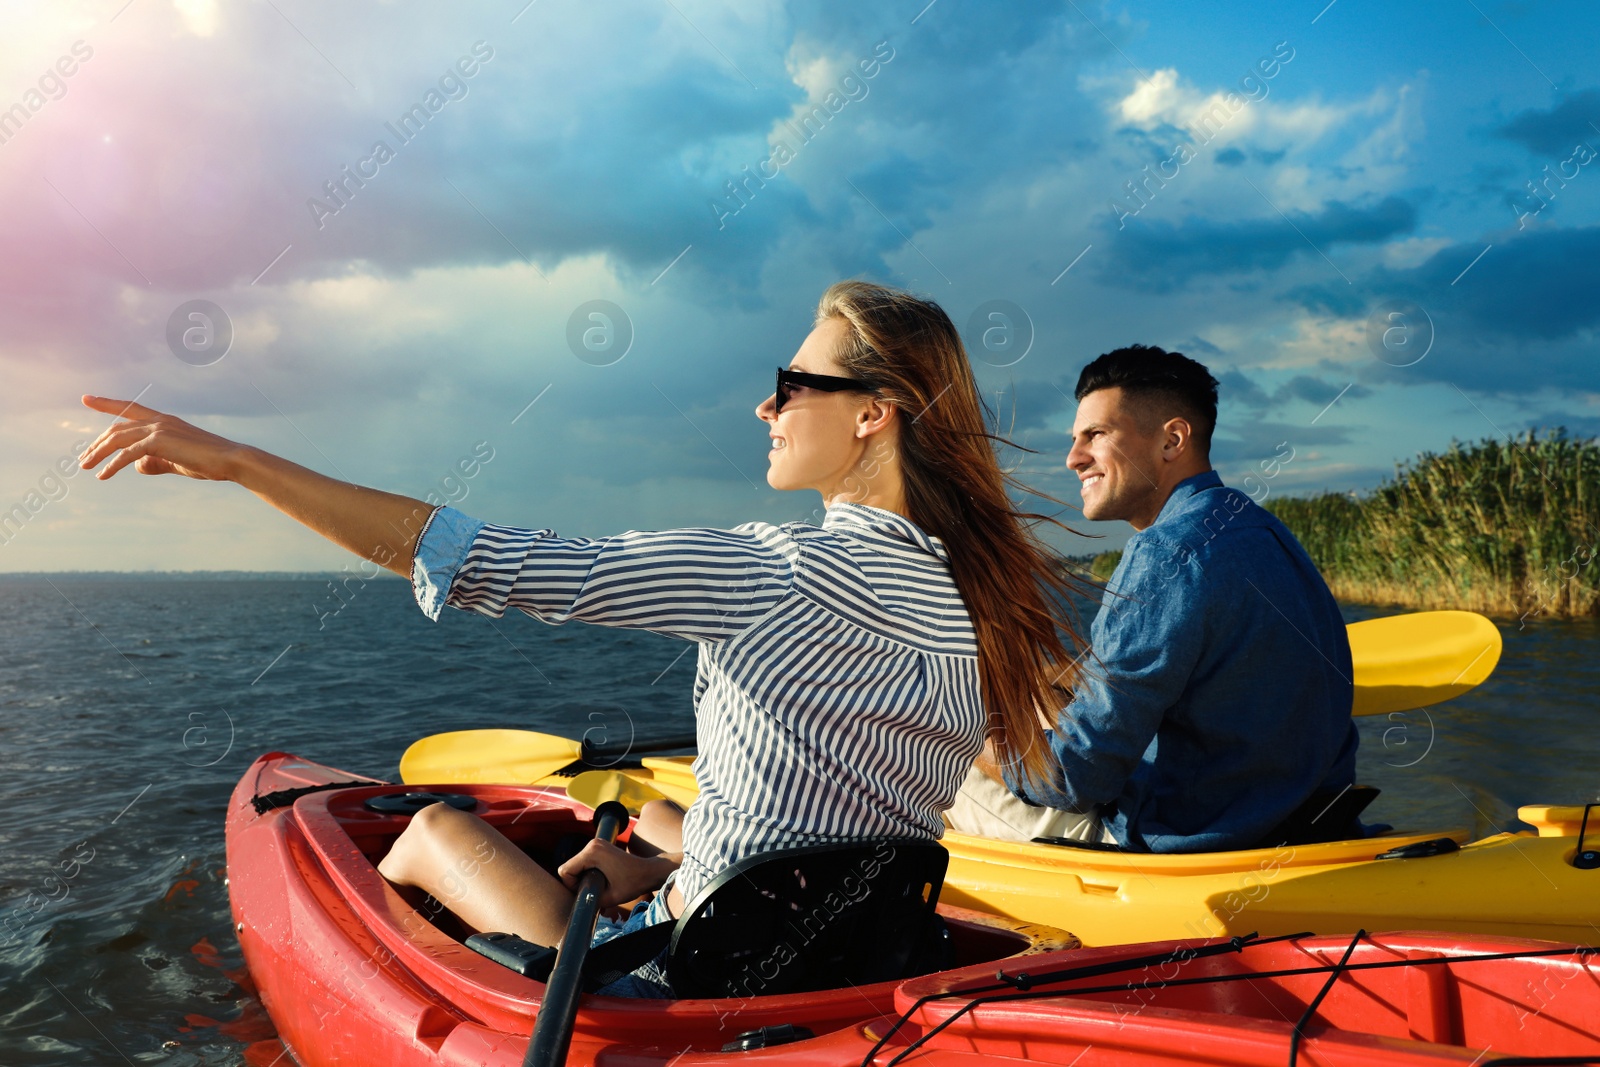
1177 438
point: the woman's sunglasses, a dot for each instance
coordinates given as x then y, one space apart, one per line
828 383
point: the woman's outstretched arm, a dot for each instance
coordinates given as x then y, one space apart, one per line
378 526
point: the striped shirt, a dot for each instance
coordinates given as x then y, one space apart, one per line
837 693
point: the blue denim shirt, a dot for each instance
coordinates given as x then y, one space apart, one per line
1221 697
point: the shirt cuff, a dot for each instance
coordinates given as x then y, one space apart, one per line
1012 776
441 550
1042 794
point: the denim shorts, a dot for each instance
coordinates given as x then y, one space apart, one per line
648 980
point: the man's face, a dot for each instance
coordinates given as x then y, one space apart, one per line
1116 454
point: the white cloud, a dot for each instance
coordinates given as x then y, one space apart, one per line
1306 121
1164 100
1413 250
1310 341
1153 99
1384 125
1384 153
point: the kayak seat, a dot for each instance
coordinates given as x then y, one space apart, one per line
1324 816
798 920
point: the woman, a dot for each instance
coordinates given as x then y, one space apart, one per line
848 674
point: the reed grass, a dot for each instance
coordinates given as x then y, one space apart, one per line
1504 527
1102 566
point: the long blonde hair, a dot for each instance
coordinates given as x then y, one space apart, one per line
956 490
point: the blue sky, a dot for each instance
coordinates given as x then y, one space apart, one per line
1371 159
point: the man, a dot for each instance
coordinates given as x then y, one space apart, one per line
1216 698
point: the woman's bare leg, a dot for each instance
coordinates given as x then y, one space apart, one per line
470 867
658 829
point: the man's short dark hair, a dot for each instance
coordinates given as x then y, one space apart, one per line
1177 383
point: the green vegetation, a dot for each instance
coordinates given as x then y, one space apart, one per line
1104 564
1505 528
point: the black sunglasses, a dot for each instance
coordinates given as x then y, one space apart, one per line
828 383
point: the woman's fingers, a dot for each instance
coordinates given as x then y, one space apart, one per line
155 465
123 408
118 436
121 432
594 854
156 443
120 408
138 450
610 861
628 877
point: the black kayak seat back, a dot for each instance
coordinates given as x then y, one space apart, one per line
1331 815
799 920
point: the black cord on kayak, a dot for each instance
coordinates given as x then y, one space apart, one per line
282 798
1024 981
1233 944
1311 1009
1537 1061
1292 972
1213 979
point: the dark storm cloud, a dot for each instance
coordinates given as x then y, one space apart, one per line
1162 256
1513 315
1554 131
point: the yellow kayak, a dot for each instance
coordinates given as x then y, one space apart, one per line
1523 885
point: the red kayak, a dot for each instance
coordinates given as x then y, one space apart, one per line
352 974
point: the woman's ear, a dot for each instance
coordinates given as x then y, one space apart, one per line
875 416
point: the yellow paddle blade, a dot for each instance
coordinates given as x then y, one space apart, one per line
1414 661
499 756
672 775
594 788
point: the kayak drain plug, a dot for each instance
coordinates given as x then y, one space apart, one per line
768 1037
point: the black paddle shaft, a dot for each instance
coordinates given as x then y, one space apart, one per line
552 1029
614 751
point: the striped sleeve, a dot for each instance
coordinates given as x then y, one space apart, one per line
701 584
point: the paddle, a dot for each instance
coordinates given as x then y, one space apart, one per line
594 788
552 1029
514 755
1413 661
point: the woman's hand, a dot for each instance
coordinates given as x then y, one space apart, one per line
157 443
379 526
628 877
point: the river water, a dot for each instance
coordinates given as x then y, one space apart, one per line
129 707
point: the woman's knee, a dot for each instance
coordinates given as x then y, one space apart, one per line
426 848
654 811
440 820
659 828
